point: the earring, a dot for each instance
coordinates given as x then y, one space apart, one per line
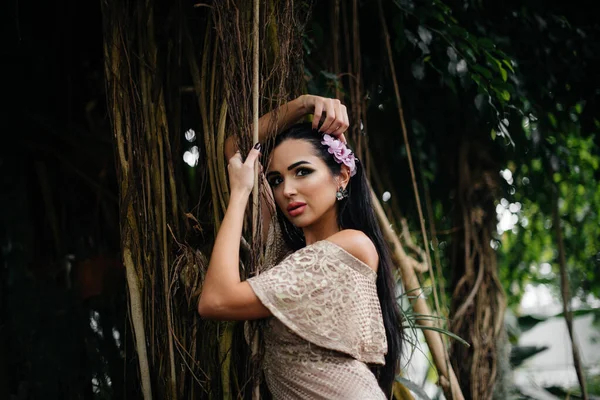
341 194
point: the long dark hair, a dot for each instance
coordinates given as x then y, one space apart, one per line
356 212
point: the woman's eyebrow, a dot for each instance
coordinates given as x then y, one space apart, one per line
294 165
271 173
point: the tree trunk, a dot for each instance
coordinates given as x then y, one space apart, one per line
165 235
566 294
478 299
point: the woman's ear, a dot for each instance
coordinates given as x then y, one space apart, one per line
344 177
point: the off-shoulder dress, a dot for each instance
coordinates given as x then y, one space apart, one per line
326 324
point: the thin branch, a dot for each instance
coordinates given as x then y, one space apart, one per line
435 243
566 296
452 392
448 379
255 189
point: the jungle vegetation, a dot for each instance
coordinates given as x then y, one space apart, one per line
477 122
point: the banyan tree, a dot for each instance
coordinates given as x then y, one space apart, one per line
186 78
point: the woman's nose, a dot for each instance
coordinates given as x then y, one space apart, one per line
288 188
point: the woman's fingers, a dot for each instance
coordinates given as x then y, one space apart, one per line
333 114
335 124
330 119
241 173
236 159
337 121
341 121
319 104
252 156
346 118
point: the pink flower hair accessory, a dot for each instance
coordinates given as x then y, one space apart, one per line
341 153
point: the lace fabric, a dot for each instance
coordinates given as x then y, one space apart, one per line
326 325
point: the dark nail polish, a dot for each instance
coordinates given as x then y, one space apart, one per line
257 146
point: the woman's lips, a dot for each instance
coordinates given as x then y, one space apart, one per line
297 211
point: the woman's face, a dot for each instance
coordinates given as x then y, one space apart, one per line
303 185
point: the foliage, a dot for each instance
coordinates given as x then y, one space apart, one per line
528 249
460 57
557 150
515 78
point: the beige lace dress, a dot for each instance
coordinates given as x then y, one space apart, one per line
326 324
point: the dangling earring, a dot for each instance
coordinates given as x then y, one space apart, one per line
341 194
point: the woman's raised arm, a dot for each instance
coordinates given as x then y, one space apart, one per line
331 112
335 122
283 117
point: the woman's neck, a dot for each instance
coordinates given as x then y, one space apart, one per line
322 228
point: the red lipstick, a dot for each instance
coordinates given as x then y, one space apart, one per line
296 208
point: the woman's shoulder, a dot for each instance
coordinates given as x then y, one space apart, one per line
358 244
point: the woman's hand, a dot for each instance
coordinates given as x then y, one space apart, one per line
336 120
241 173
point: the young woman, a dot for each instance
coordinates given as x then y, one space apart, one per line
326 289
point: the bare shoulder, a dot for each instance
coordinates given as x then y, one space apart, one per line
359 245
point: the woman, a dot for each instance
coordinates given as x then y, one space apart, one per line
330 304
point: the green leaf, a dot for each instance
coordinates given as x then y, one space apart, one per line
503 95
508 65
518 354
552 120
562 392
429 176
492 61
582 312
444 332
483 71
469 52
556 177
526 322
410 385
486 43
504 75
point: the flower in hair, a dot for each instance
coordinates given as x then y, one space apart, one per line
341 153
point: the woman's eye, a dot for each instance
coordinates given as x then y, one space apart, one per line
303 171
275 181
